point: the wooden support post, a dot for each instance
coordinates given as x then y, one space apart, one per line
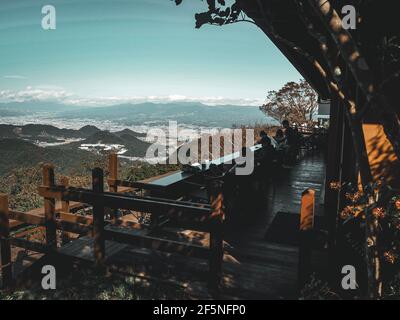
65 204
64 209
5 246
49 207
305 235
113 172
216 234
98 218
65 236
113 169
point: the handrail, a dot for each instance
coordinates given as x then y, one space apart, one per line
120 201
203 217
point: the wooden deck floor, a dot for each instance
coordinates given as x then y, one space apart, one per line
267 270
253 268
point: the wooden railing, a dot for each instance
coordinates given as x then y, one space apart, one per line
170 184
196 216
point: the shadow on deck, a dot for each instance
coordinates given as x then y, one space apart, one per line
268 268
254 266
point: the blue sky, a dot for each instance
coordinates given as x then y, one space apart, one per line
133 49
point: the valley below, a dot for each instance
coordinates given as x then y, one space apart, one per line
34 132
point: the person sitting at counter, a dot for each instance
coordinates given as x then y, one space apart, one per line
279 137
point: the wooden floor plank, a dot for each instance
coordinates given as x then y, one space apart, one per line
82 248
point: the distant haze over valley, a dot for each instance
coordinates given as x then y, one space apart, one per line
34 132
139 117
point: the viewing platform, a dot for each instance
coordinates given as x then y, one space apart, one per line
260 245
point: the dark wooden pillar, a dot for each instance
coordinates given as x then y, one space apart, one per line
49 207
98 218
216 234
334 166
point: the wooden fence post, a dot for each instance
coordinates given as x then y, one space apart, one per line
216 234
5 247
113 169
98 218
49 207
65 236
305 235
113 172
65 204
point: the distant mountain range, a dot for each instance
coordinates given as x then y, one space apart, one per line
185 113
29 107
28 136
33 131
189 113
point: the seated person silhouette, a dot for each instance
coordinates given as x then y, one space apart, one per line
267 154
279 137
290 142
281 148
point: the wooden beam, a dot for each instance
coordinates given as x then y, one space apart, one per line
122 201
5 246
72 227
27 217
31 245
129 224
76 218
15 224
142 238
360 70
347 46
135 185
78 225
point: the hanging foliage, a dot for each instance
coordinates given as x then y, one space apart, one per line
220 12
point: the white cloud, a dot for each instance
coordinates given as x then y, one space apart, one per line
57 94
34 94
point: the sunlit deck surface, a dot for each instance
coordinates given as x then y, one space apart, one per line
253 267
